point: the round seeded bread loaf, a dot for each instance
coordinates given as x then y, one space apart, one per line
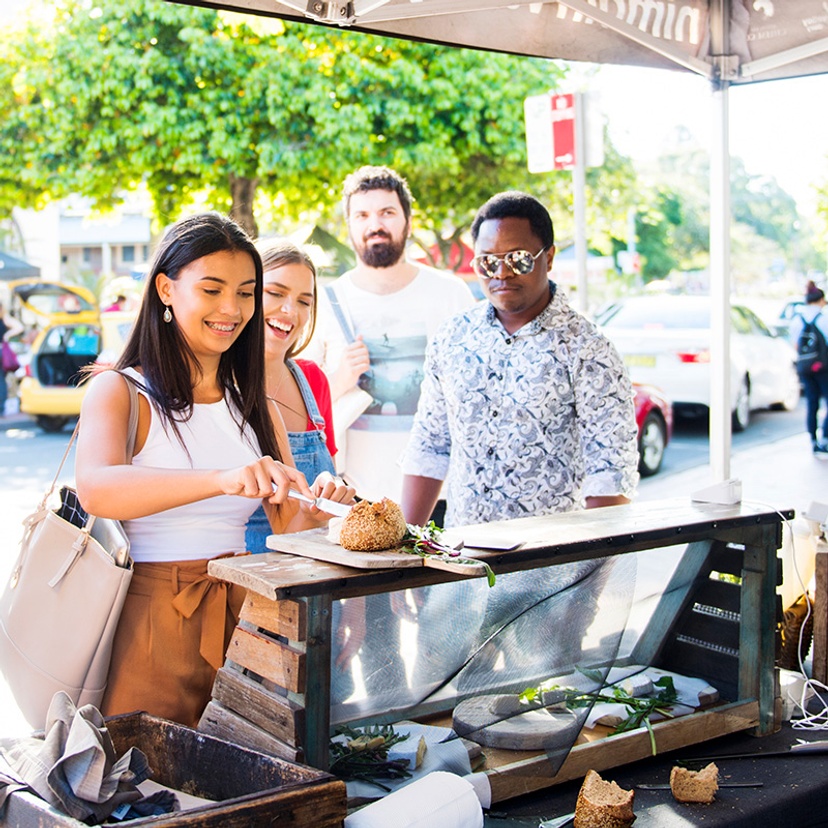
370 527
694 786
603 804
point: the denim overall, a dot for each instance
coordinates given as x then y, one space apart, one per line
310 454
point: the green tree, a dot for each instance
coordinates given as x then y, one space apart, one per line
192 100
199 104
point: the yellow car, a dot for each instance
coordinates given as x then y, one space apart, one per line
37 303
51 390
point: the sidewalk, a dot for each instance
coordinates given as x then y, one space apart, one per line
780 475
783 474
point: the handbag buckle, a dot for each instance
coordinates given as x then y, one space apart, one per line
15 577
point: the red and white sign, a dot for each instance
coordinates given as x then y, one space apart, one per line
550 133
563 131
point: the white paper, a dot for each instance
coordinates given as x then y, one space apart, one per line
439 800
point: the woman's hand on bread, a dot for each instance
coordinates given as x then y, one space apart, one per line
332 488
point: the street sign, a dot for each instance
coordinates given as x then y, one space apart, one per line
629 261
550 132
563 131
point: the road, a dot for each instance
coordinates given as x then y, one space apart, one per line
690 445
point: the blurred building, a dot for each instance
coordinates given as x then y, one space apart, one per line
70 242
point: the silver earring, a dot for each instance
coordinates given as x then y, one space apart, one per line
167 314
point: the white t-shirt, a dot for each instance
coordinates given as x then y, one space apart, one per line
396 327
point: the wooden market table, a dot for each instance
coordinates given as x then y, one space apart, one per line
273 693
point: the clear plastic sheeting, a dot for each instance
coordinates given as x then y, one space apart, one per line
431 649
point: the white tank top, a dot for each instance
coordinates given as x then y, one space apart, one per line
207 528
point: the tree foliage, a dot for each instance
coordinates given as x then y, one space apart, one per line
189 99
197 103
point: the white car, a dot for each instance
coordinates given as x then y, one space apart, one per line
665 341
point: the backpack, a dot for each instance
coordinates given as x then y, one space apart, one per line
811 350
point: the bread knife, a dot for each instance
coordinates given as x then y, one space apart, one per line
666 787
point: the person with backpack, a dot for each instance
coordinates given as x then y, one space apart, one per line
809 330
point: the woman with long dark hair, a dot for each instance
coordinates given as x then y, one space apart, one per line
209 450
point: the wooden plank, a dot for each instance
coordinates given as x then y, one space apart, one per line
287 618
274 714
820 661
716 668
722 632
723 595
281 664
515 778
322 805
314 543
217 720
759 631
545 540
318 693
467 568
316 805
727 558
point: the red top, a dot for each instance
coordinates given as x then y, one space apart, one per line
322 394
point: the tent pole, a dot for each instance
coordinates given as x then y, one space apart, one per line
720 393
579 205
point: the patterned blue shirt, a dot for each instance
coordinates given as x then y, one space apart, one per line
527 423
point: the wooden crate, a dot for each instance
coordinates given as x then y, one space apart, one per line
259 694
248 789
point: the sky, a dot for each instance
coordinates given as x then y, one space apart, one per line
777 128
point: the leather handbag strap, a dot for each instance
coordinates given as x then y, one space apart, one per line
132 434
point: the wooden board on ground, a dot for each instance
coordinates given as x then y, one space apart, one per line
314 543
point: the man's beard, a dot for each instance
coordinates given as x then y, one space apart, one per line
381 254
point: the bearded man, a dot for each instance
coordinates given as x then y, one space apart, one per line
374 324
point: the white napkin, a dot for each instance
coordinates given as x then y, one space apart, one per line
438 800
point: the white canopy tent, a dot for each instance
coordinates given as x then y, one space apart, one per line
728 42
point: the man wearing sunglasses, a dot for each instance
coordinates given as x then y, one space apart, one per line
526 409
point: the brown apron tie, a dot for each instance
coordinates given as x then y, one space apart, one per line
213 593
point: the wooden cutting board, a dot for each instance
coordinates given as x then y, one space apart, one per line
314 543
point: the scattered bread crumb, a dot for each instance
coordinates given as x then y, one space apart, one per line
694 786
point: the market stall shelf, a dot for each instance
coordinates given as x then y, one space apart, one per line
274 691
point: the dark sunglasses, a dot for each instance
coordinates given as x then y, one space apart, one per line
520 262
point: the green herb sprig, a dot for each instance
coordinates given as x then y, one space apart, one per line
363 754
425 542
640 707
